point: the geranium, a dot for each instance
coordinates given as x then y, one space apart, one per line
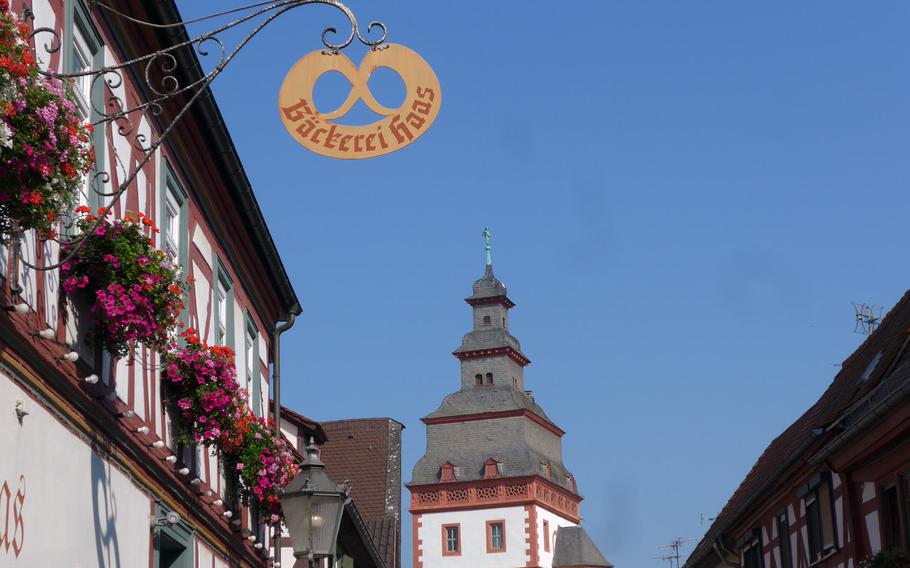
45 148
202 383
265 462
137 290
202 386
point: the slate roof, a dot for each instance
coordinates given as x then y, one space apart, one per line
488 286
367 453
574 548
487 399
844 395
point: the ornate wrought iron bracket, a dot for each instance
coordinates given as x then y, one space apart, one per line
159 73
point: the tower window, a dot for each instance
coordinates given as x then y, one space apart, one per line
496 536
451 540
478 380
447 472
486 320
503 322
514 383
489 378
546 536
490 469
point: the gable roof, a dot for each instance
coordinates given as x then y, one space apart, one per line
858 380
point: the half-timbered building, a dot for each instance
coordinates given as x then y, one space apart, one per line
832 489
90 473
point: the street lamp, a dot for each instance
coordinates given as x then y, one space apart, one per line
313 505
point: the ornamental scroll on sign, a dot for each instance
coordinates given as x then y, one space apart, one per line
318 132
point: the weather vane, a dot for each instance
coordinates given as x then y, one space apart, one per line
487 248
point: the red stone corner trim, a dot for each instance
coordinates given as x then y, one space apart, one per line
490 549
531 537
417 545
445 544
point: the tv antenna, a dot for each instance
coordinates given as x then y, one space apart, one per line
868 316
704 518
675 545
666 558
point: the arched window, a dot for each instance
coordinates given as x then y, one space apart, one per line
478 380
489 378
486 320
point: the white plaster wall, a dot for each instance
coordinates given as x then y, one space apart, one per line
203 245
290 431
875 539
77 509
555 521
202 290
44 18
474 538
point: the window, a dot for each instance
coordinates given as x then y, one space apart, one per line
486 320
478 380
223 307
752 557
490 469
871 367
253 382
514 383
783 535
81 62
171 225
447 472
496 536
221 313
172 543
546 536
489 378
81 53
451 540
819 519
891 518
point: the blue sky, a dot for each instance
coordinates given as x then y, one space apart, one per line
685 197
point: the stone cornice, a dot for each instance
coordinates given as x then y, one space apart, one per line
487 493
516 356
495 415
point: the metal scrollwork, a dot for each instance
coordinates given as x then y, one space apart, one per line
159 71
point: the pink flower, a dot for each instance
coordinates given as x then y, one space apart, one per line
239 466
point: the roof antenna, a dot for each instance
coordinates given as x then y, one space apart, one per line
675 545
868 317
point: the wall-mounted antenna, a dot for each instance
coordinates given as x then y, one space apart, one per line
868 316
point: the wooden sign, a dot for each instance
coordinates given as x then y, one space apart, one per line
320 133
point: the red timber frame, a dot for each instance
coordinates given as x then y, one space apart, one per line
489 493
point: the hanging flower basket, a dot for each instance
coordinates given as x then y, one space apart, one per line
45 148
212 410
263 460
202 390
136 289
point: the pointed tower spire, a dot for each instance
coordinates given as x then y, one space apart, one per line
486 247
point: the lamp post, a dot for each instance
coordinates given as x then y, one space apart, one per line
313 505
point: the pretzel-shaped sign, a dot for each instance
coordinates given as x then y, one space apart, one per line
317 131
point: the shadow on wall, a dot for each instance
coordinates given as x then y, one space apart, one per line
104 509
